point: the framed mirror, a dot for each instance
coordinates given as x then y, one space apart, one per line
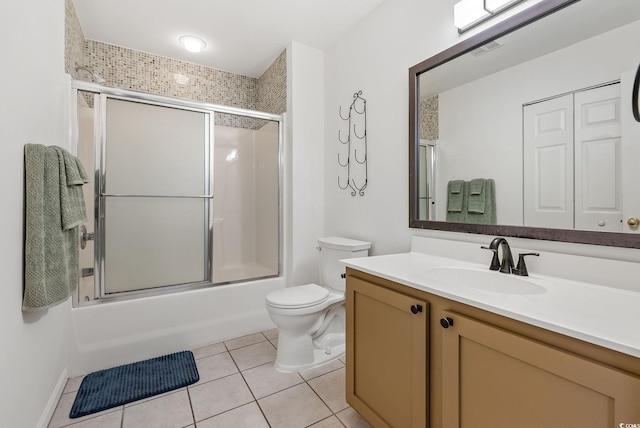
527 128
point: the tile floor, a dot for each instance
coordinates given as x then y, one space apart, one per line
238 388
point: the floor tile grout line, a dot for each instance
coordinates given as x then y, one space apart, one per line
85 417
195 385
266 339
289 387
321 399
320 375
223 377
209 356
251 391
255 400
328 417
193 415
112 410
253 395
229 410
318 395
122 418
244 346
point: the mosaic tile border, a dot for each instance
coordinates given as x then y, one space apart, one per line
429 119
140 71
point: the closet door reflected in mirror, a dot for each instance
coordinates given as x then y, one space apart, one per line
572 161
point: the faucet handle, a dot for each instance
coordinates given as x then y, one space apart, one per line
495 261
521 268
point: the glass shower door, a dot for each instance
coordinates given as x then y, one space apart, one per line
246 221
155 196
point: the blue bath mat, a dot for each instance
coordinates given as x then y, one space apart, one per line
114 387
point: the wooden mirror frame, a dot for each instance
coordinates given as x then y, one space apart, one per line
532 14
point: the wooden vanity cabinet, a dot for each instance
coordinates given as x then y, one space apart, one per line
480 369
495 378
387 339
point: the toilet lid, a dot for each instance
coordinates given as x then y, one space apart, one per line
298 297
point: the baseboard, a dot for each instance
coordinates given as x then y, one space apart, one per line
47 413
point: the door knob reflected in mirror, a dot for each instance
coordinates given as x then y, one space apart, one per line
633 222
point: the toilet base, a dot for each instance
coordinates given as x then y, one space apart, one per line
309 336
332 347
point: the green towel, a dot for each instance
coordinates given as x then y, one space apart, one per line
488 216
72 177
476 196
456 201
54 206
455 196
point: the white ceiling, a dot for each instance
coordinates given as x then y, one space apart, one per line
243 36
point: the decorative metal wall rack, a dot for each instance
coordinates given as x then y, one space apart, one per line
356 148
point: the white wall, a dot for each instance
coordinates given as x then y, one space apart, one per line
304 185
375 57
34 350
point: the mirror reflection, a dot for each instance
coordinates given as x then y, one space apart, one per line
535 128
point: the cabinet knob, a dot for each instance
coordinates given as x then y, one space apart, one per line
416 308
446 322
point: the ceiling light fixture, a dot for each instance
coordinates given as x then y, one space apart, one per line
192 43
469 13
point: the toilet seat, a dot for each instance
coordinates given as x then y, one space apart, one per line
301 296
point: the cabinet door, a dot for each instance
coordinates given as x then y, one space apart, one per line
496 379
386 355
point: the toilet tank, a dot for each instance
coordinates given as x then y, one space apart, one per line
332 250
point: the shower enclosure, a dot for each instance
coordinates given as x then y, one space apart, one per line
185 194
426 182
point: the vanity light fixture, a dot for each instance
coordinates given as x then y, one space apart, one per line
192 43
493 6
469 13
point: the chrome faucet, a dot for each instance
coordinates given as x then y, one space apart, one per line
506 265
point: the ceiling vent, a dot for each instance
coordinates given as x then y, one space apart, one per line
492 45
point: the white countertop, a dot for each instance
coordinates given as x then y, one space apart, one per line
601 315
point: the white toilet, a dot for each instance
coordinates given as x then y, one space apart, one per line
311 317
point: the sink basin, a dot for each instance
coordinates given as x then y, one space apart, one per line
486 280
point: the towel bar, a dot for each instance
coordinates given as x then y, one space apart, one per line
84 236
